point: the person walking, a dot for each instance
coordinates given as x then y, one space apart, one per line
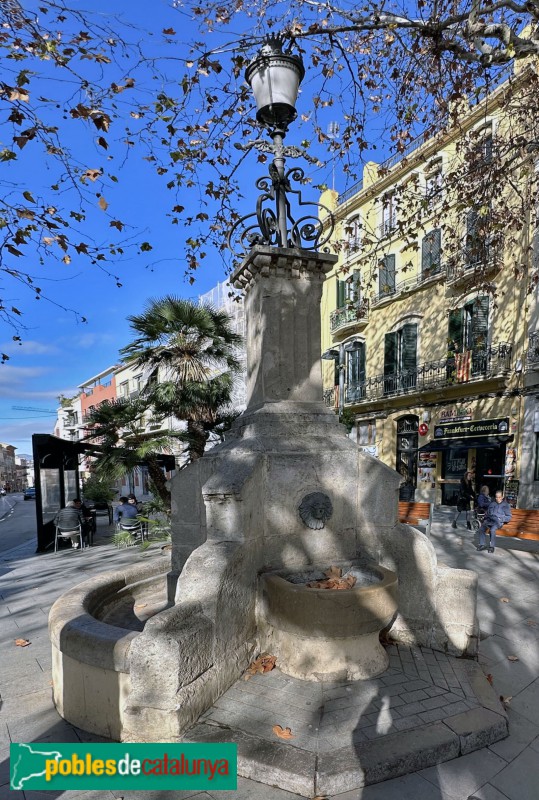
498 513
465 497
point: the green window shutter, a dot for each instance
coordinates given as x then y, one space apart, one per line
341 293
431 249
480 323
390 353
455 330
387 275
356 366
409 348
356 286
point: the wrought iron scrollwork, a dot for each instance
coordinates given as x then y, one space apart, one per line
262 226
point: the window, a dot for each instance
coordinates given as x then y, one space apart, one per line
355 372
352 229
468 338
483 150
124 389
366 432
400 359
433 184
479 241
431 251
349 290
389 213
386 276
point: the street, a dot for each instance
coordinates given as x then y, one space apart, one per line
17 521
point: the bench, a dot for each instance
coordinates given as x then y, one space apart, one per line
524 524
416 514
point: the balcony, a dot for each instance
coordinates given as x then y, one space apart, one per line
486 262
532 354
353 316
408 285
463 368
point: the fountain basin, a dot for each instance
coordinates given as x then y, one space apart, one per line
92 627
325 634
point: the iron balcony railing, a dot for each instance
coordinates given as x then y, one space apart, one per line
330 398
469 366
486 258
431 274
356 312
532 355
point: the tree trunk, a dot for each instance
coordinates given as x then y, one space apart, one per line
158 479
197 439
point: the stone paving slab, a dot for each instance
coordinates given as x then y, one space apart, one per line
350 735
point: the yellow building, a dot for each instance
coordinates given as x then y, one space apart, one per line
425 316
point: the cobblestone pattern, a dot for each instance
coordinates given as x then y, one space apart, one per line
420 686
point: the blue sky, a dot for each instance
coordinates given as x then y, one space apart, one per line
58 351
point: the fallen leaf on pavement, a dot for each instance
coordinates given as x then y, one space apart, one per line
264 663
505 600
512 658
22 642
505 700
531 622
282 733
489 678
138 606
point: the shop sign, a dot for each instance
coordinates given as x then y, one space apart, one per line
453 414
476 427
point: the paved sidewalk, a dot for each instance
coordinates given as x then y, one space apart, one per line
509 619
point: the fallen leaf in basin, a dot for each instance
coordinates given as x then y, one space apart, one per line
512 658
333 572
504 600
489 678
22 642
282 733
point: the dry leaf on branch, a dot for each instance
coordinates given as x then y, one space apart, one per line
264 663
489 678
22 642
512 658
504 600
282 733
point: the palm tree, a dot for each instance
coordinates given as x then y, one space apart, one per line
189 356
122 443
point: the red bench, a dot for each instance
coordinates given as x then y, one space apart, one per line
417 514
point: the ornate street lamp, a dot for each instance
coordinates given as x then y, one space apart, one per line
275 78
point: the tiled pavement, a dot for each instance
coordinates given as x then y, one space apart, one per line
509 618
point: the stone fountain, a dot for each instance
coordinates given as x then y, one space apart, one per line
285 498
240 524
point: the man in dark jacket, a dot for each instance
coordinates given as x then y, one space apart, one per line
69 519
498 513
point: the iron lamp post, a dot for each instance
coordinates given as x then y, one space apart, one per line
275 77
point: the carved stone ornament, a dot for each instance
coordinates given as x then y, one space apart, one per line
315 509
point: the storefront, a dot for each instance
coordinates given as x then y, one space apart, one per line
481 446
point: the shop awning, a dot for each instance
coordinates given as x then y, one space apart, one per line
465 442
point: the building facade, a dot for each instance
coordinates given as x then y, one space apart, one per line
426 319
